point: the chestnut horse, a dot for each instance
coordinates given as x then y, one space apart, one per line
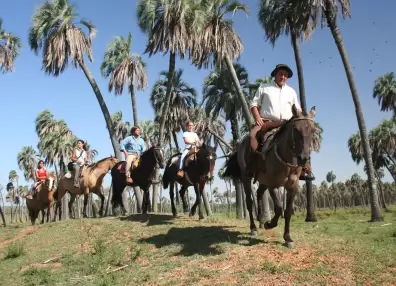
91 182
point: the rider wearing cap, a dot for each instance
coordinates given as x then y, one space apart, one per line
275 100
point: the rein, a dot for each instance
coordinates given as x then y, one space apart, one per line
276 147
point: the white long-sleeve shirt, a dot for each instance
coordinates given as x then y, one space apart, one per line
275 103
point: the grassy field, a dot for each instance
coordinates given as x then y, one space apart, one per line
340 249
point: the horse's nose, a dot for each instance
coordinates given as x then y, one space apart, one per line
302 159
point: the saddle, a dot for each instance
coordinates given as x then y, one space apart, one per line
191 156
265 139
122 167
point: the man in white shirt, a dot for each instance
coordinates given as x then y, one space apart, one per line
275 100
191 140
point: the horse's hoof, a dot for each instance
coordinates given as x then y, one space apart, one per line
100 214
84 216
268 225
175 215
261 225
253 232
289 244
191 215
201 218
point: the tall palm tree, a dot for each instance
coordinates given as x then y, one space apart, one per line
327 11
220 42
385 92
10 46
277 18
182 98
27 162
54 30
169 25
253 87
219 95
124 67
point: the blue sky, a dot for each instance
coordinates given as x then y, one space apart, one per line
367 36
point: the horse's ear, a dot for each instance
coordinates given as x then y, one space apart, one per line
203 145
295 111
312 112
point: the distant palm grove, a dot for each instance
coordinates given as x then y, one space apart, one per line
202 33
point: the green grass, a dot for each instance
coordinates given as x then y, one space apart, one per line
341 248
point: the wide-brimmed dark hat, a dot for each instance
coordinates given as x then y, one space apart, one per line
282 66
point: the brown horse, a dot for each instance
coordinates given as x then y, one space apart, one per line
90 182
44 199
286 153
195 174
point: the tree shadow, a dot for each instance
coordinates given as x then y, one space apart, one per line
201 240
151 219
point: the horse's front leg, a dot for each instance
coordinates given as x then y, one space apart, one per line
99 193
146 200
196 203
182 193
291 193
172 198
277 208
72 199
200 186
42 216
247 185
260 211
49 213
85 205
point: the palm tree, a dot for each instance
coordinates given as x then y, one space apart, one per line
2 206
10 46
54 30
277 17
219 95
182 98
220 41
327 11
169 25
253 87
385 92
330 178
121 128
149 132
27 162
208 126
123 67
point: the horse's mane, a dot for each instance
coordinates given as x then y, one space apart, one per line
93 165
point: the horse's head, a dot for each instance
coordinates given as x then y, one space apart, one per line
206 159
159 156
50 180
302 128
113 161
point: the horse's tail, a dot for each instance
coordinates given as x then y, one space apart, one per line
232 170
166 177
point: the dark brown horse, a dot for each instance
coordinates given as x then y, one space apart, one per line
280 165
142 176
195 174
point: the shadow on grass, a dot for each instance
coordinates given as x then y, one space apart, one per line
200 240
151 219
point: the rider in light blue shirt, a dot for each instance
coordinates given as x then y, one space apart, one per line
133 146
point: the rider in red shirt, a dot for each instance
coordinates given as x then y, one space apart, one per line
41 174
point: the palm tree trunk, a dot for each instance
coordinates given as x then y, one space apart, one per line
165 109
311 216
134 105
156 185
241 96
175 140
206 202
105 110
375 208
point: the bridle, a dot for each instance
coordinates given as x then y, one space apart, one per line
155 154
293 147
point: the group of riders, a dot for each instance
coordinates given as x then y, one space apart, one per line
271 107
